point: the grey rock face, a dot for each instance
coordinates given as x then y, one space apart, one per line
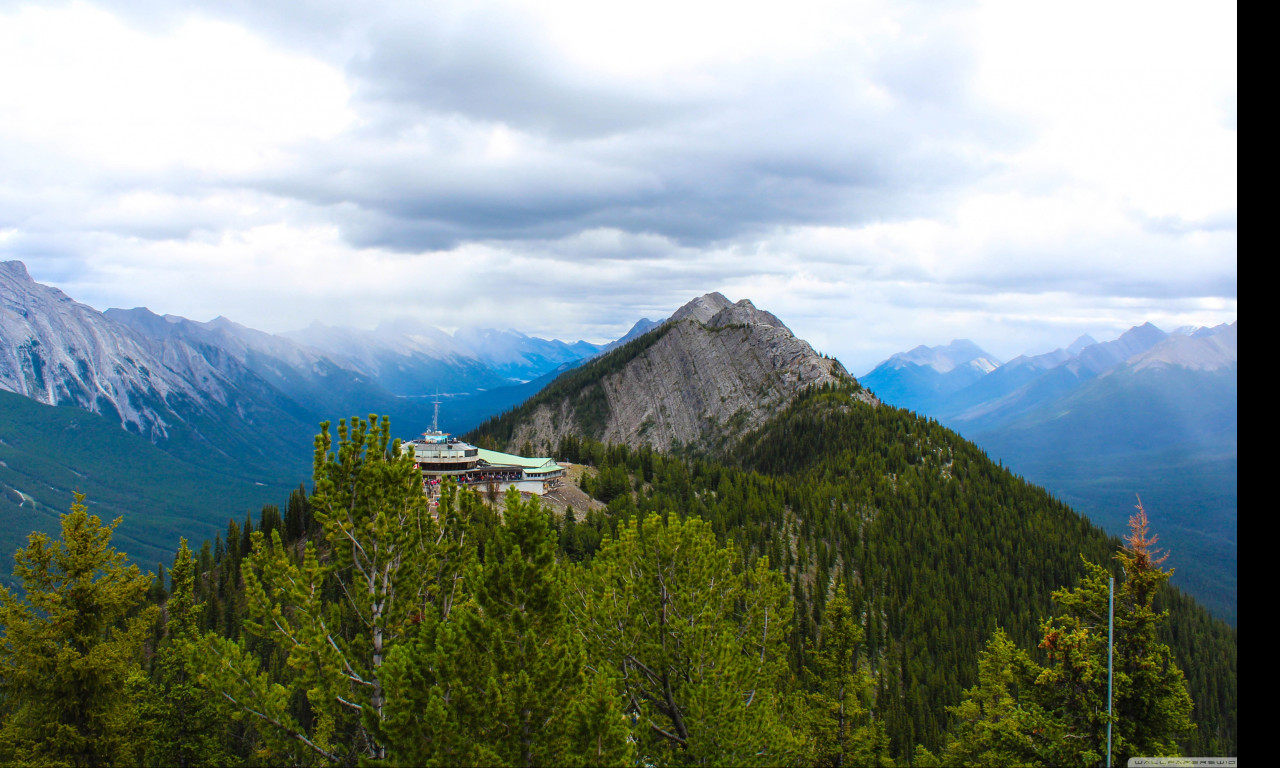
701 309
60 352
720 370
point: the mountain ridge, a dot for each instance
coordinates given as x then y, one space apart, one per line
707 374
1149 413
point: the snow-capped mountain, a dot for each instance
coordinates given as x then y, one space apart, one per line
1150 412
925 377
946 358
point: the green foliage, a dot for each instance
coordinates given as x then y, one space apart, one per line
1152 709
387 563
71 648
833 489
819 599
845 734
184 725
591 410
996 724
698 641
532 660
1023 714
502 680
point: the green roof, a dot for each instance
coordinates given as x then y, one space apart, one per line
512 460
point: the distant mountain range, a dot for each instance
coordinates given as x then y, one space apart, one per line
233 410
217 418
926 377
157 373
1150 413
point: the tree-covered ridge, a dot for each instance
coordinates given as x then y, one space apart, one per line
937 545
834 613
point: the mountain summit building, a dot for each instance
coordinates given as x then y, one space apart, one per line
438 455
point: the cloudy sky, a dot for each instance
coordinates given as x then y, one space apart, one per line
879 175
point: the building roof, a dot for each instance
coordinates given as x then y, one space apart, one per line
545 469
511 460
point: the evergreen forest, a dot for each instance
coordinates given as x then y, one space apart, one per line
848 585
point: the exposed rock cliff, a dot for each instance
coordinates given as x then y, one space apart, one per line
711 372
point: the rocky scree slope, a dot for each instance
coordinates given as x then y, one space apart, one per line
713 371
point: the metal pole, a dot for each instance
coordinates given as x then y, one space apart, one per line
1111 623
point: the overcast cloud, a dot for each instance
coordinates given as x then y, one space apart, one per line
876 174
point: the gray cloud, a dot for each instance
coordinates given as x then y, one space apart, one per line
485 65
843 137
840 138
793 152
616 196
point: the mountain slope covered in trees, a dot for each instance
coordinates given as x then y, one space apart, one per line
1149 413
836 582
938 544
697 618
47 453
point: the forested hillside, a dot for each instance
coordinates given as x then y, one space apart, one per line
938 546
852 585
1149 413
47 453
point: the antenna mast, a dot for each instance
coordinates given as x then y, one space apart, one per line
435 417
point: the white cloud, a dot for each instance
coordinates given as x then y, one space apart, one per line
1128 97
877 174
209 96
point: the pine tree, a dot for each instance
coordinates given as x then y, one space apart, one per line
1153 711
597 731
1151 706
503 682
528 660
995 725
388 563
70 648
697 640
844 732
297 520
185 725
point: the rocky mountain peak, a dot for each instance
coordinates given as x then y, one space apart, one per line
1214 349
1083 342
1147 333
702 308
745 313
14 270
59 352
17 288
145 321
715 370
